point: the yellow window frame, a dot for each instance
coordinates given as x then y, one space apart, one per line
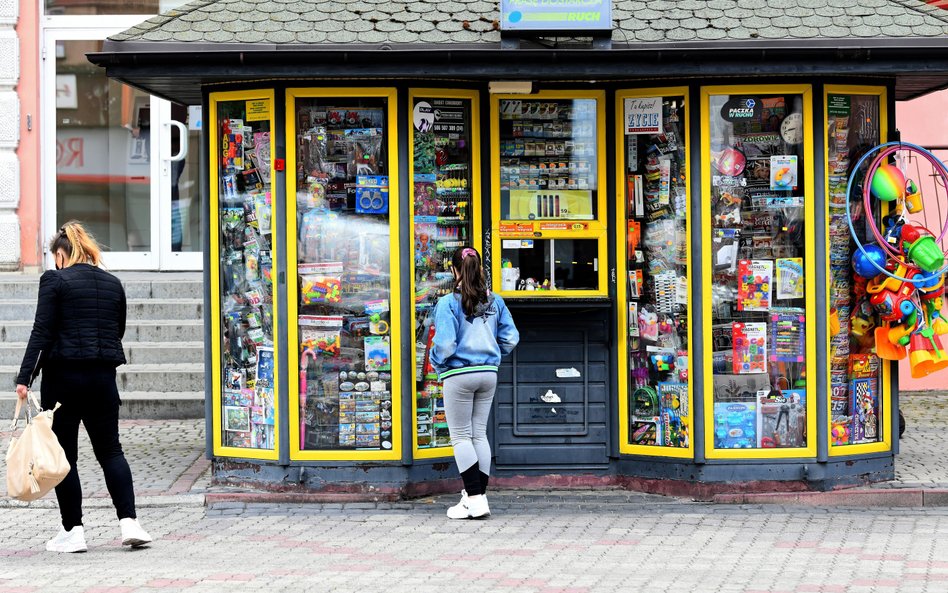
596 228
215 272
625 447
885 377
476 240
391 95
806 92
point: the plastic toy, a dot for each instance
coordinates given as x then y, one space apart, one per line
904 270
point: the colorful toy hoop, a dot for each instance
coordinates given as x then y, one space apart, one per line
884 151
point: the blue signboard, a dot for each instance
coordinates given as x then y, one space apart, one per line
572 16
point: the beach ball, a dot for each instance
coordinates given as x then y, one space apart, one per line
862 262
888 183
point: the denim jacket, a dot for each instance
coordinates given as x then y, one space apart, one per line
471 343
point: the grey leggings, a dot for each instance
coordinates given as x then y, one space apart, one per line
467 402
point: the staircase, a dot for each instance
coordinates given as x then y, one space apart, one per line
164 343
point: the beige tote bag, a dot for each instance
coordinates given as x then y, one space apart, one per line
36 462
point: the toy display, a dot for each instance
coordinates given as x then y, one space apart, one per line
657 294
899 267
245 274
548 184
344 278
442 161
759 261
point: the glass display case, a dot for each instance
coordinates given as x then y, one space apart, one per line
242 259
758 259
549 196
654 283
445 176
342 271
855 123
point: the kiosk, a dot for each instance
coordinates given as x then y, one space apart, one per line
667 223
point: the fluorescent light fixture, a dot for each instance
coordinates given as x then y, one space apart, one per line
510 87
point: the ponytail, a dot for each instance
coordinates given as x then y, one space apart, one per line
79 246
470 278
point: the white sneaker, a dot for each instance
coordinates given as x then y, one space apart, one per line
133 534
73 540
470 507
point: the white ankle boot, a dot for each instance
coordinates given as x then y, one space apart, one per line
73 540
133 534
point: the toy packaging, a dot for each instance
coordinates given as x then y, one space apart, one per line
749 343
246 305
755 285
343 275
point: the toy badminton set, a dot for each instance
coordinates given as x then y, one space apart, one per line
246 290
758 260
657 290
442 160
343 270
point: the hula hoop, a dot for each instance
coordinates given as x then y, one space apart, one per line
932 159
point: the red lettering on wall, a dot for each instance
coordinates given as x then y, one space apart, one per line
69 153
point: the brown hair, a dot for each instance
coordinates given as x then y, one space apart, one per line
79 246
470 278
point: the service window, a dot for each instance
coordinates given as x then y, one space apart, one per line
654 280
759 262
343 262
242 257
549 194
859 394
446 205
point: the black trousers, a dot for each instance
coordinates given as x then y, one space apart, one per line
88 393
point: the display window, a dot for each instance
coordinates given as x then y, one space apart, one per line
549 194
242 256
757 164
445 171
858 378
343 270
655 395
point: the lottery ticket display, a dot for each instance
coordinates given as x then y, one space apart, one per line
343 274
246 281
758 258
442 187
656 202
855 370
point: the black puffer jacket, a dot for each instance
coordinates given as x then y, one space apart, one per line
80 316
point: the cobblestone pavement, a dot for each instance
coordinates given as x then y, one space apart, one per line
533 543
921 462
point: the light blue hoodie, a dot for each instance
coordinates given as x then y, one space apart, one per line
471 343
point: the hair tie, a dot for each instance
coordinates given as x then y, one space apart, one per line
468 251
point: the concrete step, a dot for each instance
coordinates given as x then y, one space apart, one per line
151 309
151 405
136 330
134 377
138 285
11 353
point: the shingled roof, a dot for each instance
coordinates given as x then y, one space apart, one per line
366 22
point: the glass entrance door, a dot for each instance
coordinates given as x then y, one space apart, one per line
117 160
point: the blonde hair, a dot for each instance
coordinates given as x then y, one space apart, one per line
77 243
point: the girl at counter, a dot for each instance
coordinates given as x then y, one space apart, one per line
473 329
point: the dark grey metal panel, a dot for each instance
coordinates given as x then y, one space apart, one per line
574 430
279 213
698 229
206 217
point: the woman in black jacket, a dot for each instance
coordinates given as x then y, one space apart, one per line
77 341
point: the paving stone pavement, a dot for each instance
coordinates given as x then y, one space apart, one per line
533 543
921 462
166 457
